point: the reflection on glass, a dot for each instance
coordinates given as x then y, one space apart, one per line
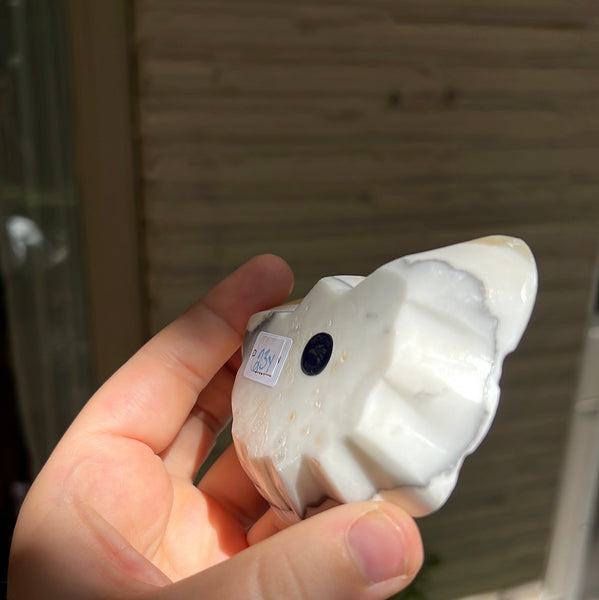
41 262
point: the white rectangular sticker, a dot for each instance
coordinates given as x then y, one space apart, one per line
267 358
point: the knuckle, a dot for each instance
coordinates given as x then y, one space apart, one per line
279 576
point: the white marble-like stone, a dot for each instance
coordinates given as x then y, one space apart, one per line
411 386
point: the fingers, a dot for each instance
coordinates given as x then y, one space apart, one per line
151 396
206 420
365 551
227 483
269 524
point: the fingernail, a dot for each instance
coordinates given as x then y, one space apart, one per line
378 546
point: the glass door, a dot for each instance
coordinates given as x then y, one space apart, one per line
39 230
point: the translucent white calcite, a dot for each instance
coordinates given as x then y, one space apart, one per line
410 388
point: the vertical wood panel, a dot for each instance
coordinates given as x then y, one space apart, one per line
105 169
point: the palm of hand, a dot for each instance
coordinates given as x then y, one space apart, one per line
134 492
117 496
126 494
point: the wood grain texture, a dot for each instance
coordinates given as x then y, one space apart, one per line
106 181
343 134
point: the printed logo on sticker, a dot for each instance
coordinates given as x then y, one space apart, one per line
267 358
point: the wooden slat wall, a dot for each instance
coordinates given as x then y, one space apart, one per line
342 134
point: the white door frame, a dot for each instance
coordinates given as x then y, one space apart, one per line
578 504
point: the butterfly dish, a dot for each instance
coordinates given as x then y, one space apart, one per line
379 387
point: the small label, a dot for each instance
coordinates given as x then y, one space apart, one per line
267 358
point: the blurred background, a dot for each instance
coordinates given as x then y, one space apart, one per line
148 148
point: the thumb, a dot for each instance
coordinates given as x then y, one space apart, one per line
352 552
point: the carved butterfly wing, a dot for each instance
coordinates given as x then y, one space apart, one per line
408 384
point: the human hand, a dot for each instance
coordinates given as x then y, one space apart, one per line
115 513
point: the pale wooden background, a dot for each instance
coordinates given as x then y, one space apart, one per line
342 134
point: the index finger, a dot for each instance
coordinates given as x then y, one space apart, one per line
150 397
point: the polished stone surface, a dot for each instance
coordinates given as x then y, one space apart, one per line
405 387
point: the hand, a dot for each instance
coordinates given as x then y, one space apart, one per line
115 512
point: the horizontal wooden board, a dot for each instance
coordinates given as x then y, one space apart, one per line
552 14
372 125
494 509
345 34
348 244
239 86
206 81
225 204
360 163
